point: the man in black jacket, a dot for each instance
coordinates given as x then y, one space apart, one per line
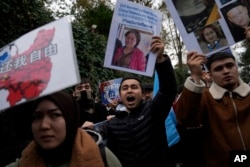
138 137
91 112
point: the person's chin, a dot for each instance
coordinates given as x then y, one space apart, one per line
130 107
229 85
49 146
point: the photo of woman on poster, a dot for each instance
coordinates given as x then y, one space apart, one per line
211 38
129 55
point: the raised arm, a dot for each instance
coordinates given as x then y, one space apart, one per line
167 81
188 104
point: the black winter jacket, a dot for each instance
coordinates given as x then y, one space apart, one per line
139 139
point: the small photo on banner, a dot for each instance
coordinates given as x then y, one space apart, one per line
109 90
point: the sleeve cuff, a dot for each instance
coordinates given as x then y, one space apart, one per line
193 87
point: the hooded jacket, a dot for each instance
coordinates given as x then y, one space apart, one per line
224 116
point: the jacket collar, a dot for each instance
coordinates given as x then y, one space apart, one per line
218 92
85 153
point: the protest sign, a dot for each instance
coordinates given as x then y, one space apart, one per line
101 127
143 23
38 63
206 24
109 90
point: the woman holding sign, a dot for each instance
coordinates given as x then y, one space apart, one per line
129 56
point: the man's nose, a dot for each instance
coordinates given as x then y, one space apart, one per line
225 70
129 89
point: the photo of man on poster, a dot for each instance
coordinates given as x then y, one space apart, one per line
237 17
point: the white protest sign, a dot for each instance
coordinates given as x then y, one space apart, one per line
142 21
38 63
204 24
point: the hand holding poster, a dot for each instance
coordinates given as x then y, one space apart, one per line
32 65
132 28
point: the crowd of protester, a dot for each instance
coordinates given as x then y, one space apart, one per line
209 116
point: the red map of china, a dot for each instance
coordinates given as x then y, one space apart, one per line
27 81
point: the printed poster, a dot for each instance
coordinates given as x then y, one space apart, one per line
132 28
38 63
101 127
211 25
109 90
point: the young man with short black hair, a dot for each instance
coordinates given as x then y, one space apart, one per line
222 111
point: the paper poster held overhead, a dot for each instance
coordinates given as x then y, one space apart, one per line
38 63
132 28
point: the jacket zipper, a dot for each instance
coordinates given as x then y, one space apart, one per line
237 122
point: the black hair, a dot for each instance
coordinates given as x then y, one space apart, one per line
218 56
148 87
86 80
131 77
227 8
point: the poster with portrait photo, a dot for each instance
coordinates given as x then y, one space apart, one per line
140 41
216 18
211 38
237 17
132 28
